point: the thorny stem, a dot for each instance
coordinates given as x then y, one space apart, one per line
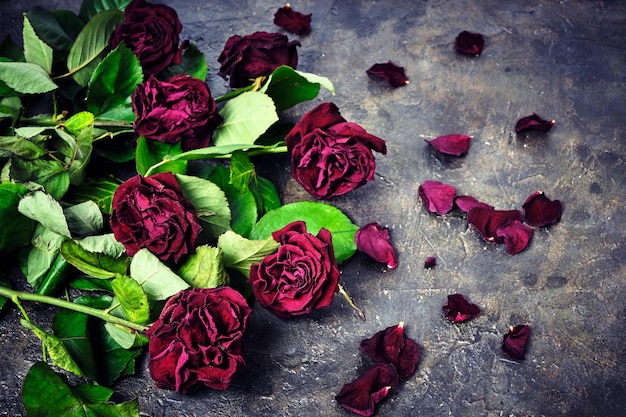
345 295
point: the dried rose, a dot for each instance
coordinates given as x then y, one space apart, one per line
363 394
470 43
394 347
178 109
430 262
437 196
516 236
197 339
300 277
293 21
487 221
247 57
373 239
467 202
533 122
456 145
458 309
329 155
540 211
514 342
389 72
152 32
151 212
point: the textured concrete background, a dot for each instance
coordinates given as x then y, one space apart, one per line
564 60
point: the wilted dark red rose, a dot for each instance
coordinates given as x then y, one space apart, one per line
152 32
373 240
516 236
487 221
389 72
514 342
457 309
151 212
330 156
180 109
467 202
456 145
533 122
430 262
540 211
301 276
293 21
363 394
437 196
247 57
197 339
394 347
470 43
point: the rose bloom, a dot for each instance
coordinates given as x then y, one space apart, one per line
152 32
329 155
151 212
301 276
247 57
178 109
197 339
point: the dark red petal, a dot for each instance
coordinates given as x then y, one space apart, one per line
373 240
540 211
458 309
389 72
293 21
430 262
516 236
456 145
363 394
514 342
533 122
470 43
487 221
437 197
468 202
394 347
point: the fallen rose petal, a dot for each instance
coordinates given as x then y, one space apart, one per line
458 309
533 122
394 347
389 72
430 262
540 211
467 202
363 394
487 221
437 197
516 236
514 342
373 240
470 43
456 145
293 21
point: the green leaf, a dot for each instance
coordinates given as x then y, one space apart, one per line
156 279
152 152
72 329
15 229
316 215
241 171
46 26
288 87
35 50
78 122
85 54
204 269
84 219
57 351
318 79
132 298
209 201
11 51
41 257
193 63
44 209
240 253
97 265
90 8
246 117
97 189
105 244
265 194
26 78
71 25
114 81
52 175
82 156
10 108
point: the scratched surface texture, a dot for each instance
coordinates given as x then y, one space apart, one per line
564 60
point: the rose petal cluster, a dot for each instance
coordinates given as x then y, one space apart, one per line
245 58
514 342
458 309
390 72
151 31
329 155
198 339
301 276
373 240
179 109
152 212
287 18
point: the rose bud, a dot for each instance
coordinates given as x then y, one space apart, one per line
533 122
301 276
516 236
247 57
152 32
455 145
437 197
393 347
457 309
514 342
198 339
487 221
363 394
178 109
373 240
389 72
330 156
289 19
151 212
470 43
540 211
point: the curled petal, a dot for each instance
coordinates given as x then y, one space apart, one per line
430 262
437 197
540 211
363 394
458 309
487 221
456 145
516 236
293 21
533 122
389 72
373 240
470 43
394 347
514 342
467 202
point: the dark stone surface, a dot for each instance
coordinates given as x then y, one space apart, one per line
562 59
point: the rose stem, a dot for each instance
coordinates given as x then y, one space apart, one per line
15 296
345 295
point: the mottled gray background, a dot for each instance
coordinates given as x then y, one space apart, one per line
562 59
